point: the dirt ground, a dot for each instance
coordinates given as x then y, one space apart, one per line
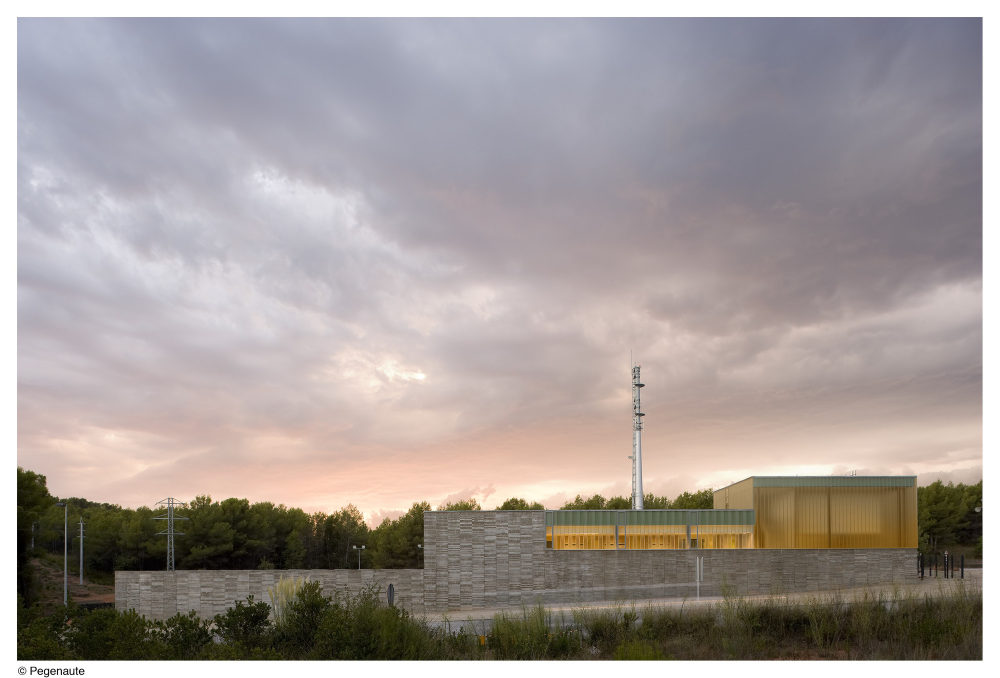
50 578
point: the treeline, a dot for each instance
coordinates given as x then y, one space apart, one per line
235 534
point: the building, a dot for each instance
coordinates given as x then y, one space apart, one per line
768 535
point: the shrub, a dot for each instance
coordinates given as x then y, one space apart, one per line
295 633
246 625
526 637
607 629
361 627
183 636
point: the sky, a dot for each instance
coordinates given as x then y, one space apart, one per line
322 262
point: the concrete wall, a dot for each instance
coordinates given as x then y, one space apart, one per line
489 559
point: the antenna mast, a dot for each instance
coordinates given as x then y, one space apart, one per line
171 504
637 416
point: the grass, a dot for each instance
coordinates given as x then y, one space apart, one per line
876 625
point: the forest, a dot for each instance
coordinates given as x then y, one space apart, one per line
236 534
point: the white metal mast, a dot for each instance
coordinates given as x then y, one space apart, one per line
637 416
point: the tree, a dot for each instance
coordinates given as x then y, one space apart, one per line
33 499
210 538
518 504
946 514
338 533
469 504
702 499
595 502
394 542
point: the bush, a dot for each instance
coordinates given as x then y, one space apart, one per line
526 637
109 634
361 627
607 629
39 637
183 636
300 619
245 626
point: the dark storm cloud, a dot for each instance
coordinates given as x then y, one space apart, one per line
362 232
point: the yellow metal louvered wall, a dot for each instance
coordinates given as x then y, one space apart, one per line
836 515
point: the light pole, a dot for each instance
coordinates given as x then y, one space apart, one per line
65 551
420 547
359 549
81 550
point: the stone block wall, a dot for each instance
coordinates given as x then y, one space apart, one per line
160 595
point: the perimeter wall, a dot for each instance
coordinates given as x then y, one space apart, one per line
492 559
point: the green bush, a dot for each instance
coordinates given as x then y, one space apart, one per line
39 637
183 636
246 626
109 634
361 627
296 632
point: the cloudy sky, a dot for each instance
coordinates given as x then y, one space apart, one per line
321 262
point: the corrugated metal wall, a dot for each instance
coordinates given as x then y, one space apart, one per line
840 516
827 511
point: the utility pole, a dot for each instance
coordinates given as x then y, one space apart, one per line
81 550
171 504
65 552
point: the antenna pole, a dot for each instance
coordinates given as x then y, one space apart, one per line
637 415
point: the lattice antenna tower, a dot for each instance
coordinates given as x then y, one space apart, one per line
637 415
171 504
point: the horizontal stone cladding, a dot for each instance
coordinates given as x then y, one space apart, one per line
160 595
491 559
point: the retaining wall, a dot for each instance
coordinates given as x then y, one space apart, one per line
493 559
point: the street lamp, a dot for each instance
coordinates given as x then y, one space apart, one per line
65 551
421 547
359 549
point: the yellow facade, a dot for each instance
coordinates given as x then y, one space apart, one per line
648 530
828 512
736 496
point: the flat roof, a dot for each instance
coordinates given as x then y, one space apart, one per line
828 481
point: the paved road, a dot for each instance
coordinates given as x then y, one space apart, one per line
480 620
